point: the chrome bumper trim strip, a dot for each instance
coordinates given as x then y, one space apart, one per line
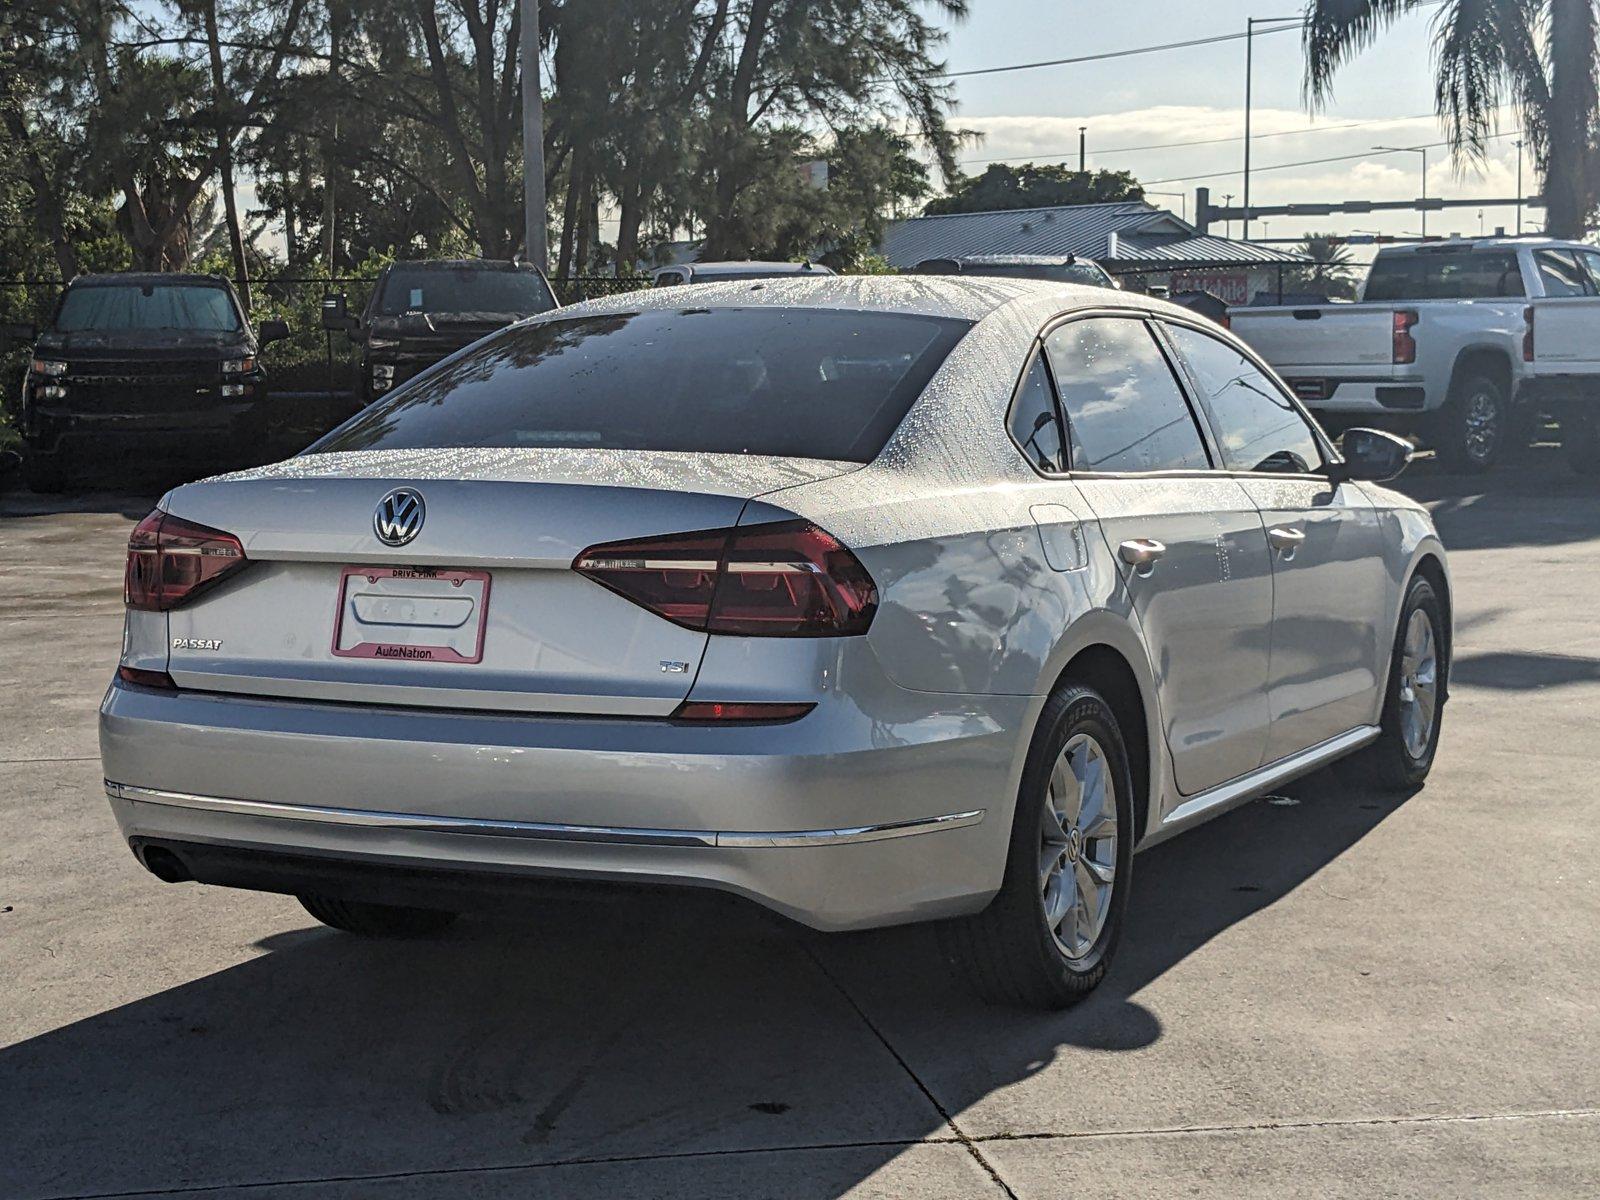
544 831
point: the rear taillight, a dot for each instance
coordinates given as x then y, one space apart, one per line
786 579
1527 334
170 561
144 678
1405 346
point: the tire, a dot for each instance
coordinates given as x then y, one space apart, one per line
1010 953
1473 429
377 920
44 473
1400 760
1580 442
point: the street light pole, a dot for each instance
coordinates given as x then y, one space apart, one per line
1519 187
1083 149
1422 150
1250 24
535 247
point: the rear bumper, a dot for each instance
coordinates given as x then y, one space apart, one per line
192 433
1385 396
839 832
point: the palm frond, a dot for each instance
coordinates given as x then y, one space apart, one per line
1336 31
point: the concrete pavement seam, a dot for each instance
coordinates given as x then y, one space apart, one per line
949 1120
1253 1126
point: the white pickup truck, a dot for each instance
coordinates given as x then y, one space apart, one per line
1446 343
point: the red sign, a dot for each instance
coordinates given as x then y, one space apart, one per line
1233 287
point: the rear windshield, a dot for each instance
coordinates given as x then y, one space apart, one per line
1447 275
149 306
467 289
807 383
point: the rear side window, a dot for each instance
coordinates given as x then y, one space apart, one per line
1124 408
1445 275
808 383
1257 426
1560 273
1033 423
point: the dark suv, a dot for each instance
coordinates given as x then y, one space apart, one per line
421 312
161 365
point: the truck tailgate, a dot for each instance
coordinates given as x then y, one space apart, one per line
1327 335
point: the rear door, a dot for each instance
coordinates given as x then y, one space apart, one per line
1330 634
1188 539
1566 325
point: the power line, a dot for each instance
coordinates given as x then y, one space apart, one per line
1312 162
1110 54
1205 141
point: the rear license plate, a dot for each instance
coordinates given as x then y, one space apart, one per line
411 614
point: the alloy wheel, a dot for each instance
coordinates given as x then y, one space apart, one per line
1078 846
1419 684
1483 420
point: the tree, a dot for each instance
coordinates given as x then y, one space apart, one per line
1538 54
1003 187
1331 270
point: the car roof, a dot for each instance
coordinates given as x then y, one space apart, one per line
1530 241
147 278
735 268
1017 260
462 264
962 297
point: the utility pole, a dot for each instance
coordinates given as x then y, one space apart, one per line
1083 151
535 247
1227 226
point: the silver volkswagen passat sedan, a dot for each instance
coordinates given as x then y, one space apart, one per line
872 600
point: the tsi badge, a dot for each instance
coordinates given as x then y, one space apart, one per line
399 517
197 643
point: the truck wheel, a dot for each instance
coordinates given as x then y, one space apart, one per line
1472 429
44 473
1046 939
1580 442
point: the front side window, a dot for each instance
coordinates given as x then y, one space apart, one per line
1591 261
1256 425
1560 273
1123 406
195 308
1033 422
796 382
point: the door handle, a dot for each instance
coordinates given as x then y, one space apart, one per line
1141 553
1286 538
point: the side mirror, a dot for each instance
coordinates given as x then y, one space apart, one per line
274 330
1372 455
336 315
19 331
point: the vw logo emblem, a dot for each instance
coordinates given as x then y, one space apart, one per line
399 517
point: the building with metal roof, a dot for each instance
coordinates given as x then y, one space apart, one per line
1145 246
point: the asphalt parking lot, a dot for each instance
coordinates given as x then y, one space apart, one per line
1332 994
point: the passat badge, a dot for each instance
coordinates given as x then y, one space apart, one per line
399 517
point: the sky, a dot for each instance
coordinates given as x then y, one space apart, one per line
1198 93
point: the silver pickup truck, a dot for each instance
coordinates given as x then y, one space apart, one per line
1441 344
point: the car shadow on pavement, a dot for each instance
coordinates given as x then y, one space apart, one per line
590 1033
1535 499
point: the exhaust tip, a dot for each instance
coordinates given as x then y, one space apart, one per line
163 864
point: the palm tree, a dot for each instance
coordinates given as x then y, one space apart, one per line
1330 270
1539 55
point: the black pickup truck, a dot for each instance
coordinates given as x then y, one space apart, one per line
421 312
139 367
